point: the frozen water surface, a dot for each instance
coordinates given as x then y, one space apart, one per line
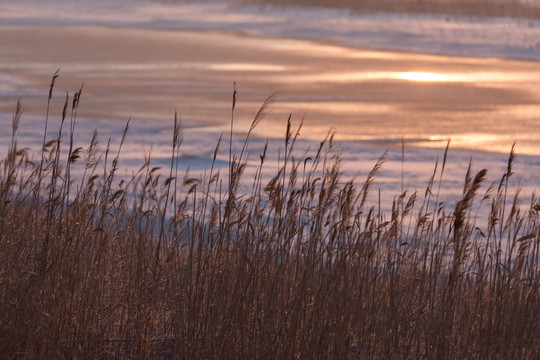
377 79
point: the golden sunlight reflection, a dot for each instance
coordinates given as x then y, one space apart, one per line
490 142
421 76
473 141
338 107
412 76
465 138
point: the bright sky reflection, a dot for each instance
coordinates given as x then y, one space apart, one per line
489 142
414 76
421 76
464 138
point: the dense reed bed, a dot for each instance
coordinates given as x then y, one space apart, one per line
221 267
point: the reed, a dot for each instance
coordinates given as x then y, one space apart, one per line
97 266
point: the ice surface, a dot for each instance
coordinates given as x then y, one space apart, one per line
435 34
426 33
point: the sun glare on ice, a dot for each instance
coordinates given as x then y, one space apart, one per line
421 76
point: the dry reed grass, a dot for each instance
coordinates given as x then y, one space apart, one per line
301 267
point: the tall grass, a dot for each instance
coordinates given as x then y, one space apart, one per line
95 266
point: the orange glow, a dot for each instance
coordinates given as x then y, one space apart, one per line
421 76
